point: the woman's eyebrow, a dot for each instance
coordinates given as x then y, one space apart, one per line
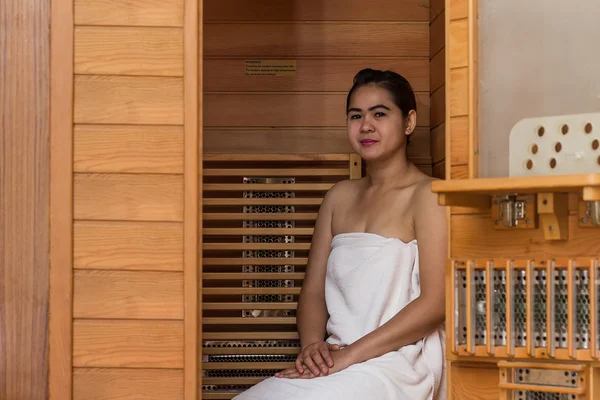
370 108
379 106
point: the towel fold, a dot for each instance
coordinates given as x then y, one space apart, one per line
370 278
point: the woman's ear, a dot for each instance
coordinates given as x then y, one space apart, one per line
411 122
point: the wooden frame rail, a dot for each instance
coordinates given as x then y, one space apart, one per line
259 212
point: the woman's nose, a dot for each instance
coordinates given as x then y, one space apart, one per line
366 125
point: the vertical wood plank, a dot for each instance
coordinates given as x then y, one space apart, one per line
473 90
355 166
24 198
192 177
61 201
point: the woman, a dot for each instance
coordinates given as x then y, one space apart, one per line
374 283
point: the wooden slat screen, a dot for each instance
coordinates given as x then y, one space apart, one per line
258 217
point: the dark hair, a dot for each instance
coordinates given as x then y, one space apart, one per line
397 85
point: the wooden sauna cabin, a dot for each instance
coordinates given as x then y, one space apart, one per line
182 150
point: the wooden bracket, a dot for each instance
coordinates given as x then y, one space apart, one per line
464 200
553 209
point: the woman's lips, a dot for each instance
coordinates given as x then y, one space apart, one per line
368 142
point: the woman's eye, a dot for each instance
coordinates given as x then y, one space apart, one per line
379 114
355 116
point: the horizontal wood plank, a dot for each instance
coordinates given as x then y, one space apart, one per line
458 95
435 8
267 187
437 71
475 383
458 9
128 50
129 13
256 246
127 383
439 170
230 201
128 294
249 321
257 306
438 106
459 140
296 159
128 245
474 236
128 148
245 291
283 40
313 10
437 38
254 261
257 231
459 171
250 335
318 75
283 172
259 216
130 197
458 45
131 344
286 110
276 140
438 143
128 100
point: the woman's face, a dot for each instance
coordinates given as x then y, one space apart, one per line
376 126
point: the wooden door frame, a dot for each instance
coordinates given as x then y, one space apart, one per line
60 339
462 78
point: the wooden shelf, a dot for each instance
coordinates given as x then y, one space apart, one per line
532 198
452 191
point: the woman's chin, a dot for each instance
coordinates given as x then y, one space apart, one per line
370 153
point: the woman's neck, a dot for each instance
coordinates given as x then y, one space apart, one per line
393 172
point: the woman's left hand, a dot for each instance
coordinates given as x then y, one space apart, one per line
342 359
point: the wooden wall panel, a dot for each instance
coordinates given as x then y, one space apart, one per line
458 47
474 383
128 295
407 39
438 144
473 235
313 74
462 93
459 140
300 140
129 51
127 383
128 100
315 10
128 343
24 198
128 197
458 9
286 109
437 74
135 82
330 42
129 13
128 148
119 245
437 59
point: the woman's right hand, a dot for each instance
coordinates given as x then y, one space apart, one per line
316 357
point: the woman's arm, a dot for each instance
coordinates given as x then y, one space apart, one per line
424 314
312 311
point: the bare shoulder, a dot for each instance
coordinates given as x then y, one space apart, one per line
341 190
425 202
